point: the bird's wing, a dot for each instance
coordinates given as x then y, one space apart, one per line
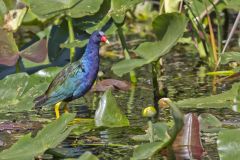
63 84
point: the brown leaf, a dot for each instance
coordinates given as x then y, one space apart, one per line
111 83
188 145
37 52
8 48
13 19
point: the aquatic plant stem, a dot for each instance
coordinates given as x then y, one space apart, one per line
71 38
131 99
161 7
126 51
103 144
219 26
212 39
150 131
156 91
196 25
18 68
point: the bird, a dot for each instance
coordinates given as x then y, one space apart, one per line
76 78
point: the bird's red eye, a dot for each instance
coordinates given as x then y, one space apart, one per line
103 39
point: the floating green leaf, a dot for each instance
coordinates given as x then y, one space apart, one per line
209 123
27 147
19 90
229 144
16 95
146 150
72 8
223 100
87 156
83 125
230 57
160 133
108 113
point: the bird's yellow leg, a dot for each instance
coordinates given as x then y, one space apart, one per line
66 107
56 107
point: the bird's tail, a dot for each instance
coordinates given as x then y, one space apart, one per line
40 101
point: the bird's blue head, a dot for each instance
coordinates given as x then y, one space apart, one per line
98 36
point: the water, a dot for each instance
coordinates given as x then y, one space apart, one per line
180 77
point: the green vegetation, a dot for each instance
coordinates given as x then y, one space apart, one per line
39 37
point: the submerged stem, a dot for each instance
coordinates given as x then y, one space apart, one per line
71 38
126 51
18 69
156 90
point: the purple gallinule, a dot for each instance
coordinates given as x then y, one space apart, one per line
76 78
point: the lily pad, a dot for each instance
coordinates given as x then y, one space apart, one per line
85 156
83 126
72 8
146 150
19 90
209 123
223 100
108 113
230 57
28 147
14 93
160 133
229 144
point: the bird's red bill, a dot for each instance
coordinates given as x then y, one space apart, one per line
103 39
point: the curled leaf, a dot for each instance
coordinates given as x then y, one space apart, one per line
187 144
108 113
37 52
